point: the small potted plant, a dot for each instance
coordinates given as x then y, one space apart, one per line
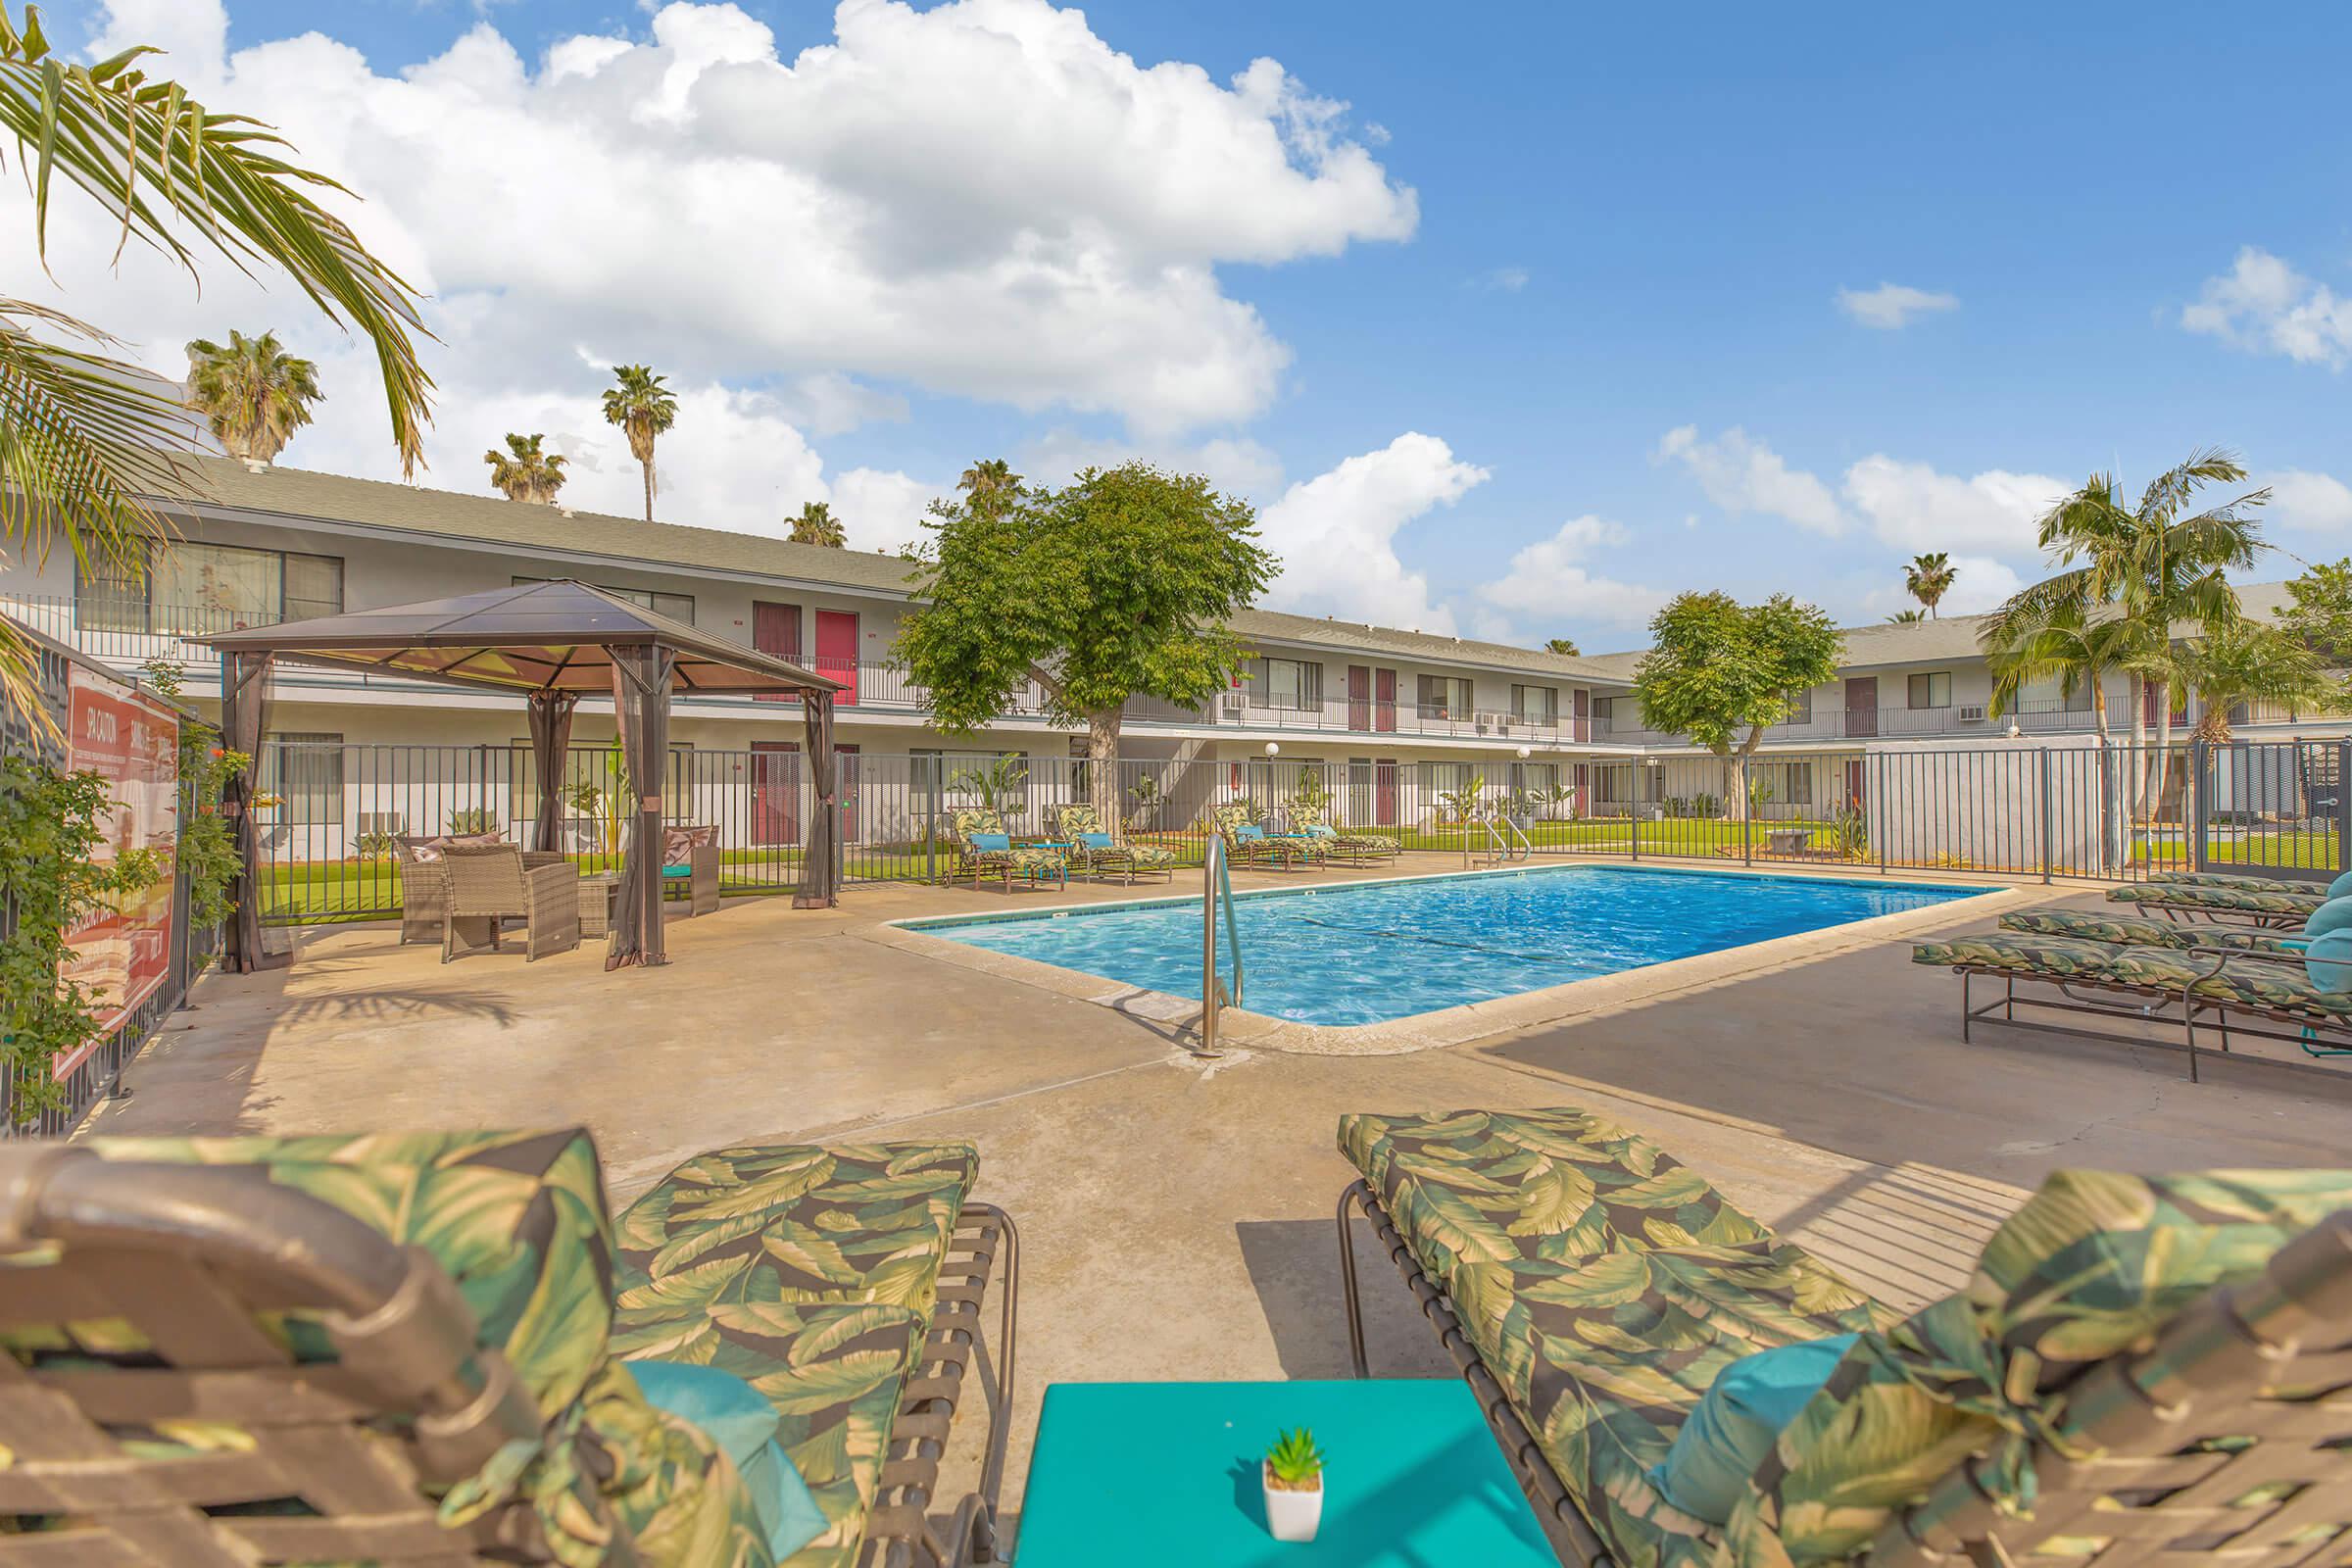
1293 1480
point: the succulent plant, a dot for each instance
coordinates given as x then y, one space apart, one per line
1294 1462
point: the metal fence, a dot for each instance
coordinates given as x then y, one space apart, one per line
331 811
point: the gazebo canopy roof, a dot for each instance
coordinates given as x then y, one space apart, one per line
540 636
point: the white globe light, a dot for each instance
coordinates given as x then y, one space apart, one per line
1526 752
1273 749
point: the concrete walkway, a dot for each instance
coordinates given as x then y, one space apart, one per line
1176 1212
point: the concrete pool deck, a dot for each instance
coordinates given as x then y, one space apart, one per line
1177 1212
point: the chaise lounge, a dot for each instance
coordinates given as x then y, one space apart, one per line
982 846
2143 1369
1094 851
1248 842
439 1349
1355 849
2195 901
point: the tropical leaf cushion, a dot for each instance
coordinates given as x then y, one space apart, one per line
2122 930
2093 1264
2069 959
2198 896
518 1221
1604 1283
1083 824
2223 879
1356 844
1071 820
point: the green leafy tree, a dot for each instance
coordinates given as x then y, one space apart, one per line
643 408
86 437
251 392
2148 564
1564 646
2249 663
816 525
1906 618
1927 578
1717 668
524 471
1117 585
2319 614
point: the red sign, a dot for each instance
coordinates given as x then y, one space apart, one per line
124 951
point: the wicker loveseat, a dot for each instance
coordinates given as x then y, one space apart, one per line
416 1349
2143 1369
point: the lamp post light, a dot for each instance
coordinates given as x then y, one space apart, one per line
1273 747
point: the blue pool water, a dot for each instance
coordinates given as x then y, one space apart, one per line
1380 950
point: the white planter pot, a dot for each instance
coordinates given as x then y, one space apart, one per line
1291 1515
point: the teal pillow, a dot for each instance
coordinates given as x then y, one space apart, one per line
1322 830
2341 886
992 841
2329 962
1095 841
2334 915
1249 831
1733 1426
740 1420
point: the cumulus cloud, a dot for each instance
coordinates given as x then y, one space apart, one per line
1234 464
982 198
1892 307
1337 534
1502 280
1912 505
1552 579
2263 304
1742 475
2318 502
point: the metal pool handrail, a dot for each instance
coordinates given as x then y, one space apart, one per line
1216 878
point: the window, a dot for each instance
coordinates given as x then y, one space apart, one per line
2044 694
1800 707
1285 683
1536 705
677 606
305 772
1787 783
1441 778
1931 690
1445 696
1605 712
204 588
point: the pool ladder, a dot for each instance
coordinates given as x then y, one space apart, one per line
1504 841
1216 888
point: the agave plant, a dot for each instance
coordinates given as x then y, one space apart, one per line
1294 1462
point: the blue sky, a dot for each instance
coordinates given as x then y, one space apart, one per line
1622 223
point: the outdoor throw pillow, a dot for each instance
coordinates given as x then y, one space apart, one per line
1733 1426
1247 831
740 1420
2329 960
2334 915
1322 830
992 841
1095 841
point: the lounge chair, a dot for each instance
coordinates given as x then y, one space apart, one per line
489 884
2192 901
984 847
1094 849
2125 931
690 861
2231 879
429 1348
1356 849
1591 1288
2231 989
1248 843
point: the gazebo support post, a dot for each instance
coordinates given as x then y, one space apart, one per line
551 745
244 719
820 855
641 678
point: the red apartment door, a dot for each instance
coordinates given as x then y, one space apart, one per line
1582 729
837 653
1854 792
1359 697
776 629
1582 806
775 791
1384 705
1384 784
845 780
1862 706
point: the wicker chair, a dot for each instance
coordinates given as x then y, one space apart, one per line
492 882
409 1352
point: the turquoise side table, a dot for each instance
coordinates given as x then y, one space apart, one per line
1169 1473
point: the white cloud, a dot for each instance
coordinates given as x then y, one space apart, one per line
881 511
1742 475
1236 466
1979 583
1893 306
2264 305
1913 507
982 198
1550 580
1337 534
2315 500
1502 280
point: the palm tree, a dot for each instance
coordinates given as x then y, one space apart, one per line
988 475
641 405
1563 645
1906 618
2146 563
253 393
1928 577
816 525
523 472
2250 663
85 437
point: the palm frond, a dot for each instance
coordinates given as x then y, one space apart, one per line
2170 490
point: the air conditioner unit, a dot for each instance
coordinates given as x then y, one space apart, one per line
1971 715
1491 720
1232 704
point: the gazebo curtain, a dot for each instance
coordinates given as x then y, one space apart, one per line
820 862
641 678
550 743
244 722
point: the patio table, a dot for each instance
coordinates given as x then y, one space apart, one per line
597 889
1169 1473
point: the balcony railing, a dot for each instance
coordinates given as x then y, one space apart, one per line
1891 723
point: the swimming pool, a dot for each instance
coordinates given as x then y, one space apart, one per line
1374 951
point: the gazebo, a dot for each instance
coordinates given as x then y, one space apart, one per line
549 643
